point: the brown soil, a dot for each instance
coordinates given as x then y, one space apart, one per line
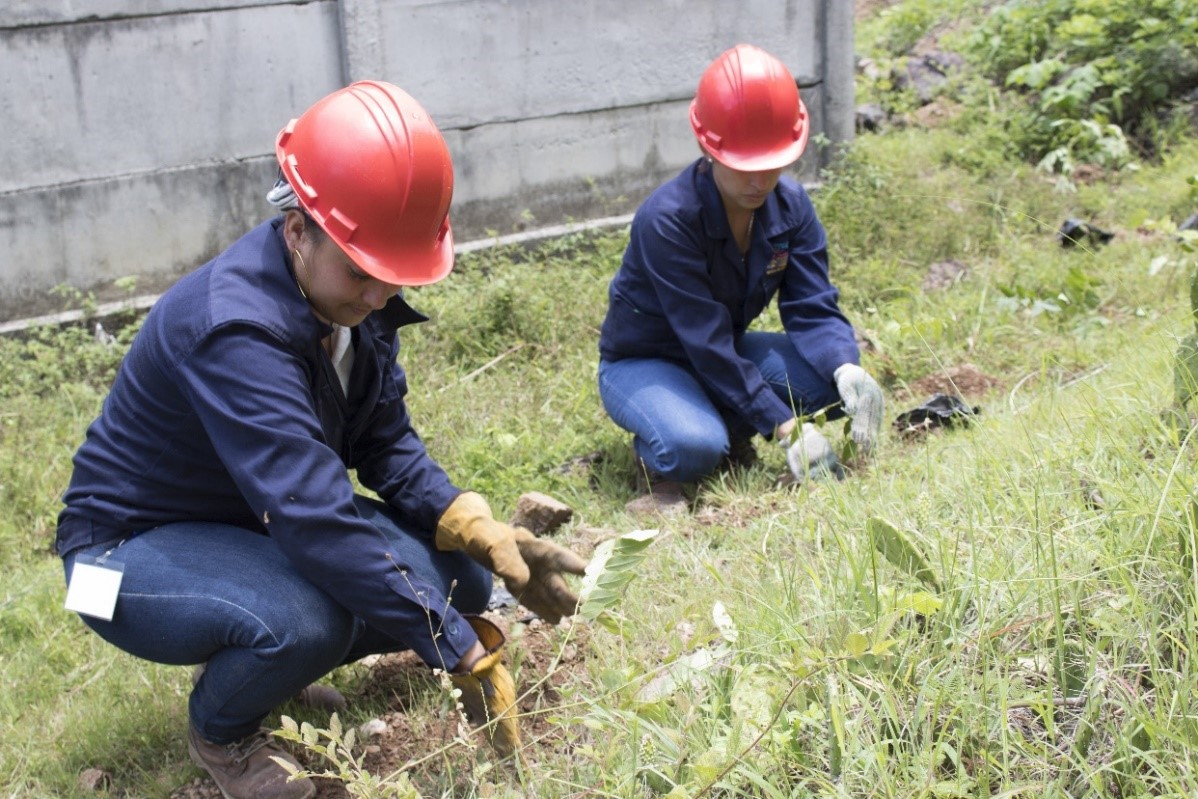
966 380
943 274
937 113
547 657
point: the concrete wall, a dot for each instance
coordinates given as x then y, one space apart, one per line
136 136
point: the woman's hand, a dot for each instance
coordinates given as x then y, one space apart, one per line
862 401
532 568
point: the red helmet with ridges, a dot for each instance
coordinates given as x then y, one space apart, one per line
370 166
747 113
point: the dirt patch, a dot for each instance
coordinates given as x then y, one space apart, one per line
967 380
1089 174
943 274
548 657
937 113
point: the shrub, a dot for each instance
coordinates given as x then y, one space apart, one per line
1094 73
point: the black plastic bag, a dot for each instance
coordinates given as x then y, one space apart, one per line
942 410
1074 231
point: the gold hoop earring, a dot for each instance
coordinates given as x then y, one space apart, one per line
303 263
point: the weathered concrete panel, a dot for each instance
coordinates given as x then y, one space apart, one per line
153 226
472 62
100 99
617 156
17 13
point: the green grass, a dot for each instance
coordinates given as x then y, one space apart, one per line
1052 656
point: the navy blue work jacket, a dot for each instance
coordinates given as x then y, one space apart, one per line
684 293
227 409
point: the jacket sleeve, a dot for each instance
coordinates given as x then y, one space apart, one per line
674 258
251 396
392 461
808 302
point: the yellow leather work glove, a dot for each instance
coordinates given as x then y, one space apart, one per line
488 691
531 567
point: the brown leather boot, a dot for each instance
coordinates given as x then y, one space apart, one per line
244 769
660 497
315 696
321 697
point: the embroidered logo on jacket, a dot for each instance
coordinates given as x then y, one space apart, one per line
778 260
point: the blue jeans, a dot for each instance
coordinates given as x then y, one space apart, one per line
681 432
201 592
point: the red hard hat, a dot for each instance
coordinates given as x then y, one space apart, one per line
368 164
747 113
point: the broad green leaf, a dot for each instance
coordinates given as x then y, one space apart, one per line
724 623
856 644
752 703
708 765
920 602
901 551
611 570
685 670
882 647
608 621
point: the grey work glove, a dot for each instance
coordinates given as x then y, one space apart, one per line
810 456
862 401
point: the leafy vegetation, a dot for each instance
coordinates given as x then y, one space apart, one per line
1006 609
1083 82
1094 72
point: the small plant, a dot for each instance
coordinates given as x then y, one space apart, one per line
48 357
612 568
336 746
905 24
1077 297
75 298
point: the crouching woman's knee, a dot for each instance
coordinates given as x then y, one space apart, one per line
695 457
321 631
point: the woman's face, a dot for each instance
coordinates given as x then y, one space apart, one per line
744 191
338 291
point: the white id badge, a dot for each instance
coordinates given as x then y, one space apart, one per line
94 587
